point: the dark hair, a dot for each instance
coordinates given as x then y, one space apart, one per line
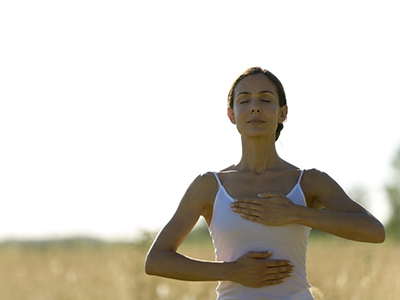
270 76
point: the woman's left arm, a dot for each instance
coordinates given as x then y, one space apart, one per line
342 216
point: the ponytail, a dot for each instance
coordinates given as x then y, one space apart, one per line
278 131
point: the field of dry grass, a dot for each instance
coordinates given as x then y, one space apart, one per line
338 269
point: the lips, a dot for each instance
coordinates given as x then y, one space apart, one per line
256 121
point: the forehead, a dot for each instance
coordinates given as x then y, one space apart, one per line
255 83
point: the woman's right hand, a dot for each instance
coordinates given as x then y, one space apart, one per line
255 269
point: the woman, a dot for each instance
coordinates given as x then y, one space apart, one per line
259 211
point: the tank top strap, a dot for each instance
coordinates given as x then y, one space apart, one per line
301 175
217 178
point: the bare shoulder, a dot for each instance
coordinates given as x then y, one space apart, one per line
322 191
316 177
201 193
318 186
204 184
319 180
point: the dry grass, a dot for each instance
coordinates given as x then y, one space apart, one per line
338 269
354 271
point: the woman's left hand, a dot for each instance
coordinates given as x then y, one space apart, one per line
272 209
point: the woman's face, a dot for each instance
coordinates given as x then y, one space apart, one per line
256 110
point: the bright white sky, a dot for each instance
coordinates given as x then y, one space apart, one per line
109 109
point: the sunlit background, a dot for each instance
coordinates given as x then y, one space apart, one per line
109 109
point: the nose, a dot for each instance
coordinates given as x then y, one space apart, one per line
255 108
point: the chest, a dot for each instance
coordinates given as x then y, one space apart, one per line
242 185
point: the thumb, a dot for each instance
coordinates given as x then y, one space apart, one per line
266 195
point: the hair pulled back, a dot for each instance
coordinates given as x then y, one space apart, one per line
270 76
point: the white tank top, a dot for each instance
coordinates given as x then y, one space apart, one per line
234 236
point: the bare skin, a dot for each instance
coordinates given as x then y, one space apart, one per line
259 183
252 269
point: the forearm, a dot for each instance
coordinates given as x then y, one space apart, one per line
353 226
173 265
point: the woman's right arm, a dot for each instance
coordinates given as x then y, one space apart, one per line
163 259
252 269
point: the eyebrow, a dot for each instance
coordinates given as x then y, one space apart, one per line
248 93
243 93
266 92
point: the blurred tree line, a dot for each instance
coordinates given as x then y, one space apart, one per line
393 194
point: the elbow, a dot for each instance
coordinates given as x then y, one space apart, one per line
379 239
150 265
155 263
379 235
375 233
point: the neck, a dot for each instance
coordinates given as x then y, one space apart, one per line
259 155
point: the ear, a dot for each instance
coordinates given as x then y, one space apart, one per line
231 115
283 113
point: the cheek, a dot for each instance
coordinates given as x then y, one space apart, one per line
240 111
273 112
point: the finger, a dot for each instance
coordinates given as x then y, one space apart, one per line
261 254
250 212
251 218
243 205
284 270
255 201
268 195
273 198
277 276
277 263
272 280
